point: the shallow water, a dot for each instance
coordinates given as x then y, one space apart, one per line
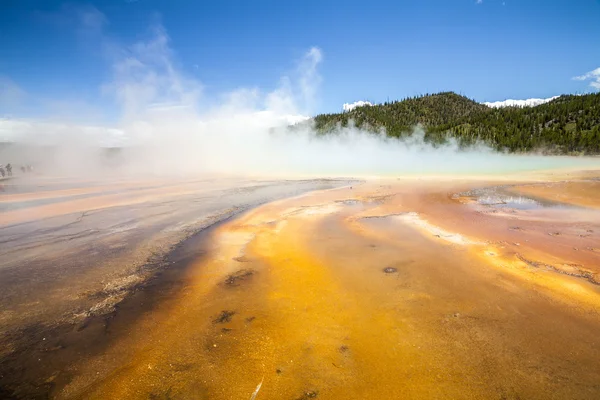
387 289
334 295
71 251
501 198
471 163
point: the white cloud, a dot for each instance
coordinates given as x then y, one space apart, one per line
352 106
519 103
91 18
10 93
593 76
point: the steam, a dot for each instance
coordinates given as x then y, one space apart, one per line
168 126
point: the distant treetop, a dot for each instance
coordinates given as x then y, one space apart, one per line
568 124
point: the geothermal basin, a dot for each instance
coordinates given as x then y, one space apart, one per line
228 288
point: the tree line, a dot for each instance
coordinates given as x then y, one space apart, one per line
569 124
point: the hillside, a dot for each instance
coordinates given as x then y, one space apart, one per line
566 125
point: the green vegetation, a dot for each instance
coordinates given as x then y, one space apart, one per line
567 125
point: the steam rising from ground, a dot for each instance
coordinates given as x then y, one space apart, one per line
167 126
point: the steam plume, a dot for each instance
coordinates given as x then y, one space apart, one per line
167 126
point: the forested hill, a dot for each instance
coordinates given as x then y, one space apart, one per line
566 125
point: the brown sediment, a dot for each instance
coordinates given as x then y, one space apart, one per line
568 269
238 276
470 304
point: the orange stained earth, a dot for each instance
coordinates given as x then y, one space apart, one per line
583 193
404 289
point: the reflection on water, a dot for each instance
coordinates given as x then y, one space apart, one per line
516 202
499 197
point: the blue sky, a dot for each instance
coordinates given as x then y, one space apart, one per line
53 60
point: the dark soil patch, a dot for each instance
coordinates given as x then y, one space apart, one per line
224 317
241 275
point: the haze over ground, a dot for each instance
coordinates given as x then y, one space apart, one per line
194 95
